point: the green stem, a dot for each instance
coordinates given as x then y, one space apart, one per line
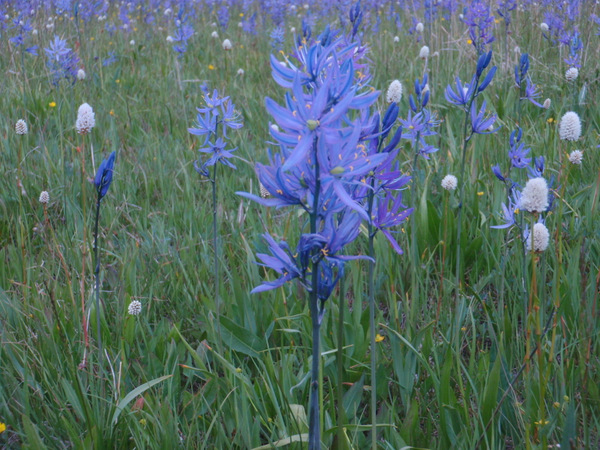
371 293
341 414
314 430
413 236
371 288
216 254
97 286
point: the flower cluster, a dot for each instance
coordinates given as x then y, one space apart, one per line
535 197
570 127
527 90
21 127
61 61
85 119
333 156
213 120
480 20
465 95
183 32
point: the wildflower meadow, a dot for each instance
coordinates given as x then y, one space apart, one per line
261 224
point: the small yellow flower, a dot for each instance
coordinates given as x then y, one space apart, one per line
379 338
143 422
517 210
2 427
469 41
92 38
496 20
241 14
480 193
117 81
52 104
556 405
463 329
541 423
134 28
211 67
112 112
550 120
238 370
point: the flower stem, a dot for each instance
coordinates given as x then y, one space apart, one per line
216 253
413 236
84 248
314 427
371 287
341 414
97 286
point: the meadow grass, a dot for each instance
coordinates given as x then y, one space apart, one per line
447 358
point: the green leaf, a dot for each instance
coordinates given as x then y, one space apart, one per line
32 435
490 393
285 441
133 394
570 431
353 396
240 339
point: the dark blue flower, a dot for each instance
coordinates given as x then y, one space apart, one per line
281 260
531 93
496 170
104 175
479 123
218 154
391 212
518 156
463 93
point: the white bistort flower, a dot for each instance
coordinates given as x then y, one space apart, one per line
214 34
534 197
570 127
227 44
44 197
394 92
396 39
544 27
240 72
85 119
571 74
21 127
419 27
541 238
135 307
263 191
576 157
424 52
81 74
547 103
170 39
449 182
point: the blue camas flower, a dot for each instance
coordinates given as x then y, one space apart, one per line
479 123
281 260
214 119
104 175
61 60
